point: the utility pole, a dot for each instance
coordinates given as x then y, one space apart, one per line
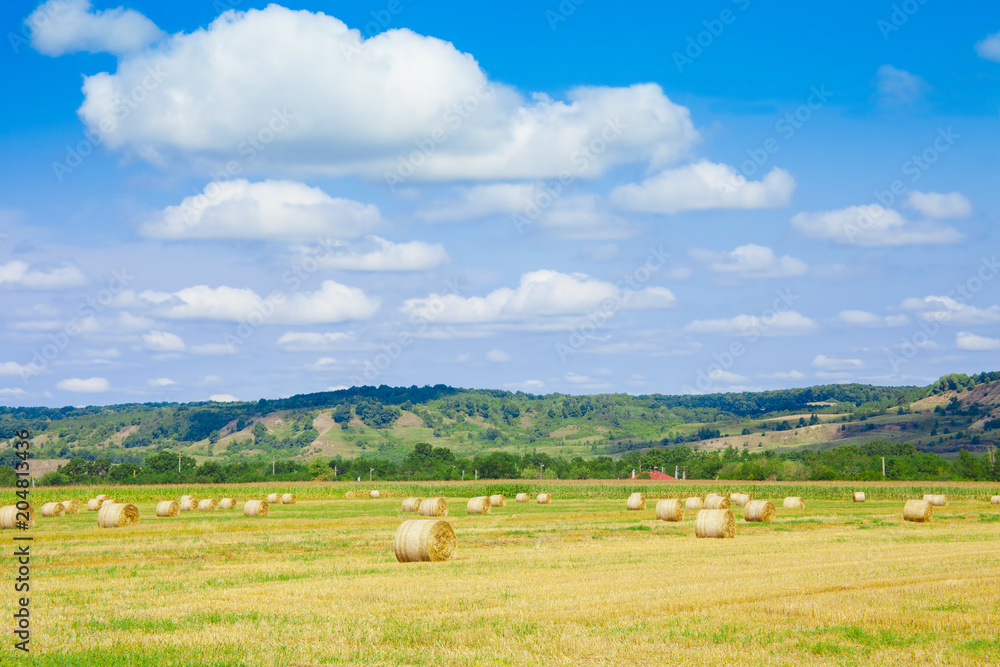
883 467
178 463
540 466
370 471
334 471
272 465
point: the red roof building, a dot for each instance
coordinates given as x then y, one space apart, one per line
658 476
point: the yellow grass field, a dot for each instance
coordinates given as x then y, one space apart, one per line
581 581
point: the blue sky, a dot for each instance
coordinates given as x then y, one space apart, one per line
209 203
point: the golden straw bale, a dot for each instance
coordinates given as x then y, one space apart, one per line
715 523
189 505
636 501
10 516
433 507
794 503
759 510
71 506
53 509
168 508
428 540
288 499
95 504
498 500
694 503
349 494
859 496
714 501
208 505
995 500
374 493
103 497
117 515
274 498
544 498
522 497
227 504
670 509
937 500
411 504
191 499
740 499
478 505
255 508
918 510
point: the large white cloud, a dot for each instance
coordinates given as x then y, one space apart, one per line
539 293
340 104
20 275
385 255
752 261
970 341
785 323
947 310
704 185
68 26
333 302
281 210
84 385
939 205
872 226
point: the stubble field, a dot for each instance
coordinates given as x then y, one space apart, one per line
579 582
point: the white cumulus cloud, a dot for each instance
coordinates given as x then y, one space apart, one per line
223 398
69 26
161 382
272 210
162 341
989 48
19 275
946 310
970 341
861 318
872 226
752 261
826 363
383 255
785 323
939 205
84 385
295 341
704 185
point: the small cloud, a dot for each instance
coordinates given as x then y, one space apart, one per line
578 379
786 323
938 205
307 341
162 341
781 375
969 341
989 48
529 386
752 261
14 368
214 348
826 363
860 318
497 356
719 375
161 382
84 386
895 87
209 379
223 398
12 391
19 275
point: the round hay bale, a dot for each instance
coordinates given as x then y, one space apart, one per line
255 508
636 501
694 503
498 500
190 499
740 499
227 504
103 497
168 508
53 509
274 498
411 504
938 500
670 509
94 504
859 496
189 505
759 511
373 493
714 501
794 503
715 523
208 505
71 506
117 515
918 510
433 507
288 499
349 494
478 505
522 497
9 517
995 500
427 540
544 498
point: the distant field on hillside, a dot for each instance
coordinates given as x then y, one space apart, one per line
581 581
